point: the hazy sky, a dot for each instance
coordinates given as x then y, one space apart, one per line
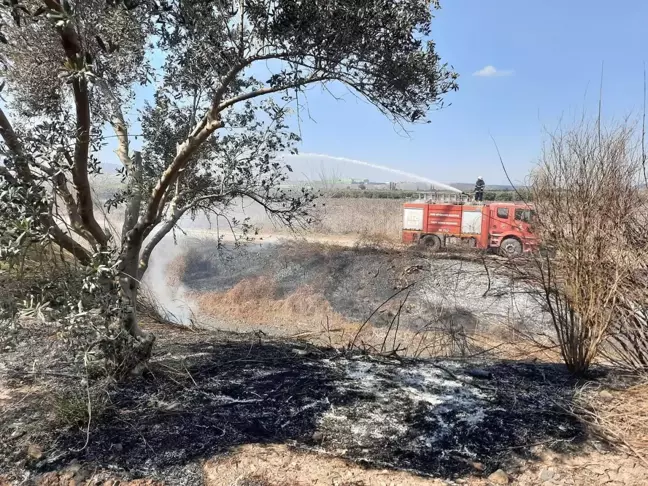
523 66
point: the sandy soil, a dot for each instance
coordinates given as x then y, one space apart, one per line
279 465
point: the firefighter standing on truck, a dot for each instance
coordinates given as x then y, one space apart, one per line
479 189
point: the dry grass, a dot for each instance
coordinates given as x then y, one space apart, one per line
303 314
380 217
334 216
586 196
307 315
375 241
619 417
255 302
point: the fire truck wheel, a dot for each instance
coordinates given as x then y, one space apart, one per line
510 247
431 242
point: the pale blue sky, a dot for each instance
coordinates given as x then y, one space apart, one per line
542 62
549 54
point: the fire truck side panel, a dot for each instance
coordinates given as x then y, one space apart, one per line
471 221
444 219
414 221
483 240
413 218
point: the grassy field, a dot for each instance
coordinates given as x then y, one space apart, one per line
380 217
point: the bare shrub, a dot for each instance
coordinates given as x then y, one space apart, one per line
444 341
585 190
627 344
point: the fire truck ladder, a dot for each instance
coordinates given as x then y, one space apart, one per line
443 198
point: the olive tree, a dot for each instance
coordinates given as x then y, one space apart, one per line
220 76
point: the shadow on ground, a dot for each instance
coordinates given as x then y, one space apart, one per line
205 398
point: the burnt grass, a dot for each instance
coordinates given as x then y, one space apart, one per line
449 290
351 279
354 280
205 393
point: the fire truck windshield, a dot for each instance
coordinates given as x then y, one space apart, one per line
525 215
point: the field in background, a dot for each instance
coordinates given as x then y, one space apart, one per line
378 217
372 214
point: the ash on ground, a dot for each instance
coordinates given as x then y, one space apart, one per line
206 393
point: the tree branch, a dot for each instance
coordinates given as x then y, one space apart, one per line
156 238
58 235
209 123
80 168
4 172
13 143
265 91
118 123
174 216
74 52
169 224
60 186
184 152
66 242
236 70
135 188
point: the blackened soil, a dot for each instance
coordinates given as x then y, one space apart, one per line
204 394
354 280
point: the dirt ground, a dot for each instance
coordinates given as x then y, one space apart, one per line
230 409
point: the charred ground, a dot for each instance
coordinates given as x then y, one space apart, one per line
471 291
206 393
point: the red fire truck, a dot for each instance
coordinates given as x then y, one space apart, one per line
437 221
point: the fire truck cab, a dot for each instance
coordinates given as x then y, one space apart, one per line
437 223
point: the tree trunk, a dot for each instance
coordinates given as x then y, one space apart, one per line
129 287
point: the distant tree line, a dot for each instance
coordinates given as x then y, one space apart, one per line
507 195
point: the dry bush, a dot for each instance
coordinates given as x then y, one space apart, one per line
437 341
585 190
627 343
